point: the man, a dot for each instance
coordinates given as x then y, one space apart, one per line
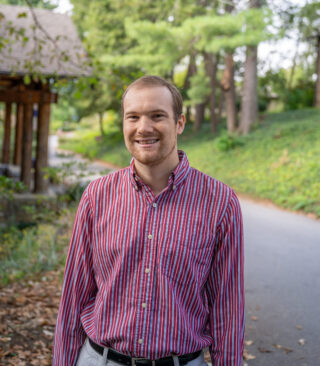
155 265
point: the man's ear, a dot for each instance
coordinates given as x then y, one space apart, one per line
180 124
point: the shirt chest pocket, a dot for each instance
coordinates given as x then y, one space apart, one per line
184 262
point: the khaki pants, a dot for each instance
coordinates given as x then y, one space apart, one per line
89 357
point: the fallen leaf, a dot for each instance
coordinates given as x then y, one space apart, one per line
48 333
248 356
248 343
257 307
264 350
287 350
5 339
253 317
277 346
299 327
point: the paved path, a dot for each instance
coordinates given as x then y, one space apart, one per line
282 280
282 277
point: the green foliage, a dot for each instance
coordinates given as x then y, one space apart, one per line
9 186
275 85
199 90
229 142
35 3
301 96
273 162
32 250
309 25
154 37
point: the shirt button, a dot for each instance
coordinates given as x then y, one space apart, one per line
154 205
140 341
147 270
149 236
174 187
144 305
136 179
136 188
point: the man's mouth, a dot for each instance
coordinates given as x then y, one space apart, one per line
147 142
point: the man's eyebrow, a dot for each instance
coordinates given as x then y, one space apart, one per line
130 112
149 112
158 111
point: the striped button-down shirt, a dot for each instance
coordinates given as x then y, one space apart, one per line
153 276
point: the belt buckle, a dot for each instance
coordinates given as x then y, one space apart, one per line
134 359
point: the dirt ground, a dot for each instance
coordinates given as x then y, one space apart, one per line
28 312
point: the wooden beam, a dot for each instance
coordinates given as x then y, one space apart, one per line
18 135
6 135
27 96
26 163
41 184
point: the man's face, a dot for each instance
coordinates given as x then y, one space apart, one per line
149 128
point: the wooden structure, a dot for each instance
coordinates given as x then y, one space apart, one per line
47 48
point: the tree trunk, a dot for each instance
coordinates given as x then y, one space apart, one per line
191 71
6 135
40 182
220 107
317 89
249 101
211 65
199 108
228 86
188 114
18 135
199 117
101 123
26 163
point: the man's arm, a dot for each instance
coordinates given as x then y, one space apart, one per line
78 287
225 289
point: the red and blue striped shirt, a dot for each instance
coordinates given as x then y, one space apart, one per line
153 276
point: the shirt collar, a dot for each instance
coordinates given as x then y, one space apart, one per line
177 176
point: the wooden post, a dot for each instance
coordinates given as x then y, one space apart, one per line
26 162
18 135
6 135
41 184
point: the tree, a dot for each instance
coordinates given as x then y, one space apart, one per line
249 102
228 84
309 26
102 25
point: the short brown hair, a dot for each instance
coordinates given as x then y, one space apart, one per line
152 81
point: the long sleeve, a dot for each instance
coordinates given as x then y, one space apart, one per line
225 289
78 288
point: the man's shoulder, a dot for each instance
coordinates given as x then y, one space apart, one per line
210 183
107 181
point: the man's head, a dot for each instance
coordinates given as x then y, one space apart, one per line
149 81
152 120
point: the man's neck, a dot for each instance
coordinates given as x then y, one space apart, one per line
156 176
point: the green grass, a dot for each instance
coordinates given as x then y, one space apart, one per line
279 160
27 252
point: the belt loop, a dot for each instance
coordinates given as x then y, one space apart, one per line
175 360
104 358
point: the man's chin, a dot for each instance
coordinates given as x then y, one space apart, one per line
146 159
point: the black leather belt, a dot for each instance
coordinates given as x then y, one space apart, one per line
131 361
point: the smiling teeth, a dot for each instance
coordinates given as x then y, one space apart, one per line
147 142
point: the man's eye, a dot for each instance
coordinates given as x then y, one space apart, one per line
158 116
132 118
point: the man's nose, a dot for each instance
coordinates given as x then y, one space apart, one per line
145 124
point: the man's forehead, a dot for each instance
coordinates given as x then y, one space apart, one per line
163 94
